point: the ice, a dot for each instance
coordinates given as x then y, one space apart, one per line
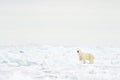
46 62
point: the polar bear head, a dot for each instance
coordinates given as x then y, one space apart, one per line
80 54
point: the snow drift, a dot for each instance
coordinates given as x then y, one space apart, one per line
36 62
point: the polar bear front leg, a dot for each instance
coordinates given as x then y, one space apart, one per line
84 61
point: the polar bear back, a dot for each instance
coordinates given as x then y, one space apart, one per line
85 55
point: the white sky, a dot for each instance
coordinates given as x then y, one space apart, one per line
60 22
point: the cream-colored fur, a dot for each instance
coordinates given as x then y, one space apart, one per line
84 56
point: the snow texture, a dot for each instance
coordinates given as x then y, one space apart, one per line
37 62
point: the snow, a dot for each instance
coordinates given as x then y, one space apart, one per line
45 62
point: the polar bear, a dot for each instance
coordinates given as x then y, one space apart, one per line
84 56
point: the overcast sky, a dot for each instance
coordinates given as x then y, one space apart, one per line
60 22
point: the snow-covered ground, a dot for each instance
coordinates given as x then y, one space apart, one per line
36 62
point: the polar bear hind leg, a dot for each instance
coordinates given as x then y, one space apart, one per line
91 58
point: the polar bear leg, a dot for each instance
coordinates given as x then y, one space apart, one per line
84 61
91 61
90 58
